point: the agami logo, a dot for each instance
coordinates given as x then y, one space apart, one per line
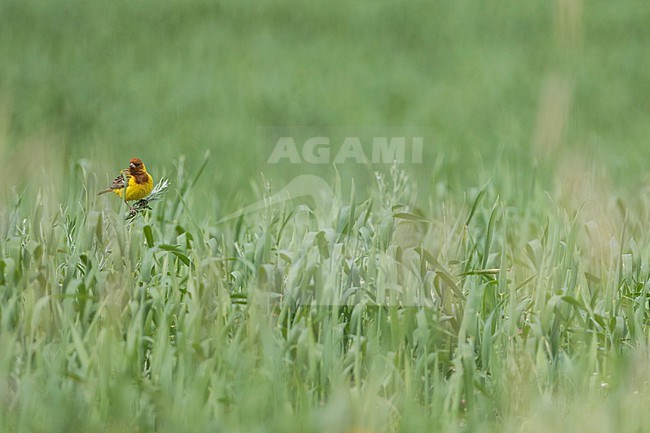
323 150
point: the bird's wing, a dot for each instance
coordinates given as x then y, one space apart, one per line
119 181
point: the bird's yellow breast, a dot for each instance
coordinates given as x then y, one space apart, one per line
135 190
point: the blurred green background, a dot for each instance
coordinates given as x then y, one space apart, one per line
549 101
507 86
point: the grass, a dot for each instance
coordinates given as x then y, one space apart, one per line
501 285
283 322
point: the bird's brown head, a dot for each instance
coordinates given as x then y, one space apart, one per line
136 166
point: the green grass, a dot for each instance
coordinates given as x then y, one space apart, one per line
500 286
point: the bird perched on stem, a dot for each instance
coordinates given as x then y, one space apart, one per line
138 182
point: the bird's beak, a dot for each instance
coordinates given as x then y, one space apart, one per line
132 165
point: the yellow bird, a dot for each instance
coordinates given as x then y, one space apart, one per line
139 182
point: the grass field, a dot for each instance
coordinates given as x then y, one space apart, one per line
499 284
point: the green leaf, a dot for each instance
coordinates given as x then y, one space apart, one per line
175 250
477 201
148 235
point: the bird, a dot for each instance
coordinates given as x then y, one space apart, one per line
139 182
